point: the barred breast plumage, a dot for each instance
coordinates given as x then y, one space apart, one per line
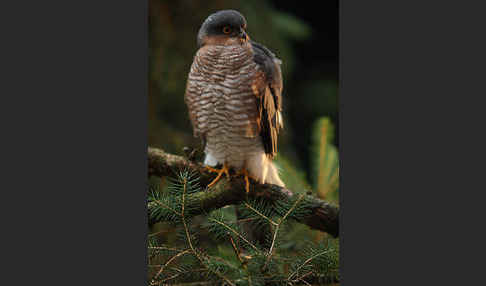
224 95
222 103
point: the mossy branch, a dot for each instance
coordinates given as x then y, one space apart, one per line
322 215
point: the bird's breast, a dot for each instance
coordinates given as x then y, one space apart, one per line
227 104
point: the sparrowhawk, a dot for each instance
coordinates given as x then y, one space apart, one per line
234 97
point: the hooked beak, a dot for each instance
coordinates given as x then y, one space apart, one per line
243 36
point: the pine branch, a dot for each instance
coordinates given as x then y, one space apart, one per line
188 237
270 252
235 233
260 214
305 262
322 215
168 262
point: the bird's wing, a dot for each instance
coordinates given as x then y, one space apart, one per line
267 87
196 105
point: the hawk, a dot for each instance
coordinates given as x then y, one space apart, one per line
234 97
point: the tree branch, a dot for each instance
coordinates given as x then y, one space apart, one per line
323 216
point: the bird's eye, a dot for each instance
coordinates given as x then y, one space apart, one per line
227 30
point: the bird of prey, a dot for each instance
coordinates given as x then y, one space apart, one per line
234 97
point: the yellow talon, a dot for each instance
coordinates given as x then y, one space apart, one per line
220 172
247 184
244 172
211 169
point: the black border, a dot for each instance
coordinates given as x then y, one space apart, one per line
74 141
410 74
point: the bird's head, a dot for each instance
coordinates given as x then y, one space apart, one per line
225 27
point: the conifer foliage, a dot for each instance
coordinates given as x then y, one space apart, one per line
256 242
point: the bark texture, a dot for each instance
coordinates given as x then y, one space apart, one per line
322 216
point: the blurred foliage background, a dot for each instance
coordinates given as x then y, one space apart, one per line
304 37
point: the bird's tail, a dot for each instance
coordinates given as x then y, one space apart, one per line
264 170
272 175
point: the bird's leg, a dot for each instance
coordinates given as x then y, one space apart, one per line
246 176
224 170
211 169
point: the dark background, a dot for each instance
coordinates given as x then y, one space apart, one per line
304 37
